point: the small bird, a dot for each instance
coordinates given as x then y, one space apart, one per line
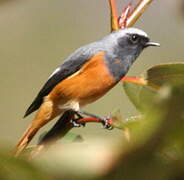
85 76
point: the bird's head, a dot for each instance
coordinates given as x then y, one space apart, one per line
124 46
130 42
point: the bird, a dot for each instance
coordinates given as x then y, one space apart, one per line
84 77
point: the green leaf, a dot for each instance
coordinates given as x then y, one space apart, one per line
14 168
142 154
140 94
141 91
172 73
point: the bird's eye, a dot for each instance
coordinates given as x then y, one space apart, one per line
134 38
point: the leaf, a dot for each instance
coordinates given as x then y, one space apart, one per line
140 155
13 168
139 92
172 73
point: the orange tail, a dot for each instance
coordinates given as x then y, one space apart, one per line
44 115
25 139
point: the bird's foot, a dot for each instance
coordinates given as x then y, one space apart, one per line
106 123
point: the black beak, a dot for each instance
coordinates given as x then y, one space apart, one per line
152 44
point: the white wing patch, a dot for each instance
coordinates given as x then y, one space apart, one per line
57 70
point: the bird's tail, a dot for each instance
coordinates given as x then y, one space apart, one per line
43 116
54 133
25 139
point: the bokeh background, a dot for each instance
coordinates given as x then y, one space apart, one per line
37 35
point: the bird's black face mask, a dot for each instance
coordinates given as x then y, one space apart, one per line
131 45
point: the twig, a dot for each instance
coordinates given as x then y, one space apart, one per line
114 15
128 18
63 126
138 11
59 130
124 16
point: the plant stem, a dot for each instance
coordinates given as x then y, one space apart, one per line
138 11
114 15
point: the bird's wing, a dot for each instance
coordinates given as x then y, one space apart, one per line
72 64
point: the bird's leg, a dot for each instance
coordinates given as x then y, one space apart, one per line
74 120
104 120
78 115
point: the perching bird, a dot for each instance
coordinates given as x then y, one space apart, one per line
85 76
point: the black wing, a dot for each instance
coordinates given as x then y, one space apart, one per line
60 74
71 65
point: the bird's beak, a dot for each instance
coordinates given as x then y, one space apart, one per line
152 44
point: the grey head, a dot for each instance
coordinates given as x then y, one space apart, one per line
124 46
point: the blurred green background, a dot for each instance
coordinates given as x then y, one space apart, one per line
37 35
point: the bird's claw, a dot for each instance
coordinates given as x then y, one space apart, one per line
106 123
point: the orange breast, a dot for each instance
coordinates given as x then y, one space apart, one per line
88 84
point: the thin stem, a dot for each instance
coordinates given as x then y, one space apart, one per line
124 17
114 15
138 11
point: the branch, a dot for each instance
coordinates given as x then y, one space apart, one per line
60 129
114 15
63 126
122 20
128 18
137 80
138 11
